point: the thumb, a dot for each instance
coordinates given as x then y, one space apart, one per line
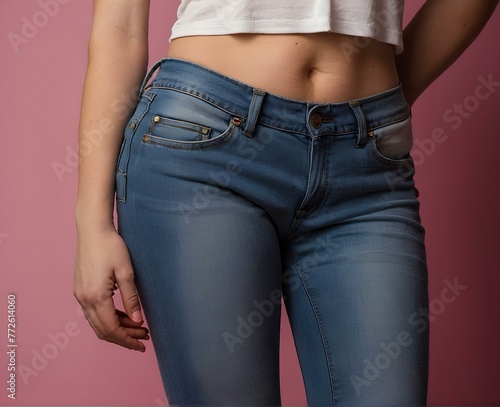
128 291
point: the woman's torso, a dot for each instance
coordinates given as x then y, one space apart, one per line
317 67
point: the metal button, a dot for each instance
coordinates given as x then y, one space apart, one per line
132 126
316 120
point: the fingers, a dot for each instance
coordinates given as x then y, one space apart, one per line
132 327
116 333
106 323
126 284
124 276
97 276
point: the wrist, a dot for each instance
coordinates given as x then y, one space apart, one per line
96 219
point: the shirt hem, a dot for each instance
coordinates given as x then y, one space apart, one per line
280 27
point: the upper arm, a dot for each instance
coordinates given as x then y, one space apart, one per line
438 34
450 22
463 18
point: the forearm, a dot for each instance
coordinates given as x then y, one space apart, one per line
116 66
438 34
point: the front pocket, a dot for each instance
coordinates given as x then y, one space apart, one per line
185 135
178 130
392 143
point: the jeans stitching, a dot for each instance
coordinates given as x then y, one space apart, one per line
326 347
320 200
125 149
384 160
195 146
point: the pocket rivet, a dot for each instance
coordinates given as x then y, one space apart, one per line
145 138
371 134
204 130
156 119
236 121
132 126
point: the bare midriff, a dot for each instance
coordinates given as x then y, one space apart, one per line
319 67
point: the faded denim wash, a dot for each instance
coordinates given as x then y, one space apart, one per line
229 197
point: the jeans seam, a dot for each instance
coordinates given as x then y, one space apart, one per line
395 120
320 200
126 148
309 181
324 341
287 236
196 146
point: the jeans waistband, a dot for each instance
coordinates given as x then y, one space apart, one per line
253 105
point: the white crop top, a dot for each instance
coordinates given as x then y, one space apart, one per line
378 19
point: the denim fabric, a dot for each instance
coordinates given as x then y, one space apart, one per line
231 199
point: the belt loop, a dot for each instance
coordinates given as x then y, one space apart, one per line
360 117
253 111
150 72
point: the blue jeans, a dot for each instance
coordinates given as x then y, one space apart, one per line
231 199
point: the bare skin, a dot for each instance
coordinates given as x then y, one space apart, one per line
320 67
313 67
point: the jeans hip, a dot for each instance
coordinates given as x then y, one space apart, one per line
229 196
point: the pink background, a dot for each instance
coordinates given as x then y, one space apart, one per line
64 363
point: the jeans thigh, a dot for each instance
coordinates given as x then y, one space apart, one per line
355 293
207 265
